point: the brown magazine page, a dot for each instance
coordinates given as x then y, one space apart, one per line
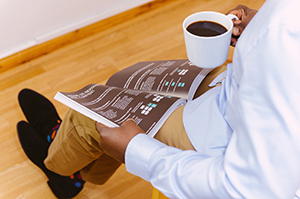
169 77
142 92
112 106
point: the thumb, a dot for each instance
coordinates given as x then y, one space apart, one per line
131 127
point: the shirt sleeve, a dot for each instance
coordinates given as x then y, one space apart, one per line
177 173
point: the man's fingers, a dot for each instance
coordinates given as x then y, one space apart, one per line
236 31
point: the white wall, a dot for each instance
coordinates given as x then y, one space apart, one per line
25 23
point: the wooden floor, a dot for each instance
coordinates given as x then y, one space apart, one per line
152 32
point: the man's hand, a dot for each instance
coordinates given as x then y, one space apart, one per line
114 141
245 15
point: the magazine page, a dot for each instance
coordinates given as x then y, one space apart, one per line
111 106
172 77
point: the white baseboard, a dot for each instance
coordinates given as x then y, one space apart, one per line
17 48
103 13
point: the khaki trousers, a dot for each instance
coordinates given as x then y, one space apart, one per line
75 147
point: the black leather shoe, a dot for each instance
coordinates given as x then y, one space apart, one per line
35 149
39 111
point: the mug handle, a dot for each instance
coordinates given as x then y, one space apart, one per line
232 16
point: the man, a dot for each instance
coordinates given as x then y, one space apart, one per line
238 140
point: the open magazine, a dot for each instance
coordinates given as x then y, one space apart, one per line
148 92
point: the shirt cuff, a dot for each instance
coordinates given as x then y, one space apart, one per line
138 153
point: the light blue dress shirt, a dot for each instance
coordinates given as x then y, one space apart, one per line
246 132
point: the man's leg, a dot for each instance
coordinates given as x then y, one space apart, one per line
173 133
74 145
76 148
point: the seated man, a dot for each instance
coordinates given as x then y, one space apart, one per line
238 140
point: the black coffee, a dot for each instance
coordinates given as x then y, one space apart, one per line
206 28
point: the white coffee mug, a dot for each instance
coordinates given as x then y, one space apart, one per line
212 51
